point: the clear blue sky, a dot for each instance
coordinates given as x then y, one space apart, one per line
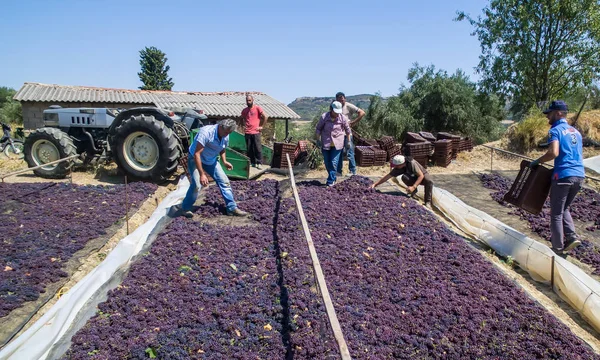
285 49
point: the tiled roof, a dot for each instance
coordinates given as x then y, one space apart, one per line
229 104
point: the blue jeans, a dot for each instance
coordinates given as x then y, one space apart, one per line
350 155
331 158
216 172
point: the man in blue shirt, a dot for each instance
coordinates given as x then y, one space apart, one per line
566 149
209 143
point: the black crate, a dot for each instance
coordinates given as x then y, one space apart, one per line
386 142
393 151
530 189
412 137
364 156
427 136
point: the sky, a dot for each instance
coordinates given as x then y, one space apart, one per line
287 49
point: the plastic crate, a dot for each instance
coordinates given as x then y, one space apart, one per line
379 156
393 151
423 160
530 189
427 136
413 138
447 136
281 162
283 148
416 149
301 151
364 156
370 142
386 142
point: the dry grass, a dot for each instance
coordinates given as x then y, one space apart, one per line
525 135
588 124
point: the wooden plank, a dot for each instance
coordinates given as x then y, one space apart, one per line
333 320
37 167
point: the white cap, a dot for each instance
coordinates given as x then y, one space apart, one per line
398 160
336 106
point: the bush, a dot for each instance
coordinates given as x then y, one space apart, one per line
525 135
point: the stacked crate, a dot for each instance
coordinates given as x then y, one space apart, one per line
365 156
393 151
443 152
279 151
419 151
455 142
388 144
380 156
466 144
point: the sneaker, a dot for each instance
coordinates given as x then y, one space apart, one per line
338 174
188 214
237 212
572 244
258 166
558 252
428 205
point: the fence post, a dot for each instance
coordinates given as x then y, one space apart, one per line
491 159
552 273
126 205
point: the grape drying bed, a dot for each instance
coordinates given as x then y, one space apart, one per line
404 286
45 230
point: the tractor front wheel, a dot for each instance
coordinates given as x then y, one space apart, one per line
145 148
46 145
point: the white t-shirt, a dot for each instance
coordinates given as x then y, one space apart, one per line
350 110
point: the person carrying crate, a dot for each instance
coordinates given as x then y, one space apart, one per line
413 175
565 147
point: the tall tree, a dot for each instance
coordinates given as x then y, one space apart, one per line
154 74
6 95
537 50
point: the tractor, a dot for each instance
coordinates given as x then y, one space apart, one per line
145 142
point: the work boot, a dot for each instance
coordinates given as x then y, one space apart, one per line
572 243
237 212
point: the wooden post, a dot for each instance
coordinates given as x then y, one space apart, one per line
492 160
333 320
126 206
552 273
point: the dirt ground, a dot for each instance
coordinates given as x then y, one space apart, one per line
462 168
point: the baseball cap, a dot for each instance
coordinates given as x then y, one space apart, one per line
398 160
556 105
336 106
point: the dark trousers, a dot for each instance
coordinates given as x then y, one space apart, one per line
427 182
562 193
254 148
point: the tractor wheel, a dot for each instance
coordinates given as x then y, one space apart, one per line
46 145
144 148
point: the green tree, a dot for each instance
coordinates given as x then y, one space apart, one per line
6 93
534 51
439 102
154 74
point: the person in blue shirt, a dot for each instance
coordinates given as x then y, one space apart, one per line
565 147
209 143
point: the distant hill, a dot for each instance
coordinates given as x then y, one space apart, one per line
308 107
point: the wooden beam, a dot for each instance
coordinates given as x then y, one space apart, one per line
37 167
333 320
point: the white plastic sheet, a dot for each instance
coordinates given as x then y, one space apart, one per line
38 340
592 163
576 287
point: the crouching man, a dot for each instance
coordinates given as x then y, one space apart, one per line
413 175
210 142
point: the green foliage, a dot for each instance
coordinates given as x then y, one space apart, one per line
309 107
525 135
10 110
438 102
534 51
154 74
6 95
